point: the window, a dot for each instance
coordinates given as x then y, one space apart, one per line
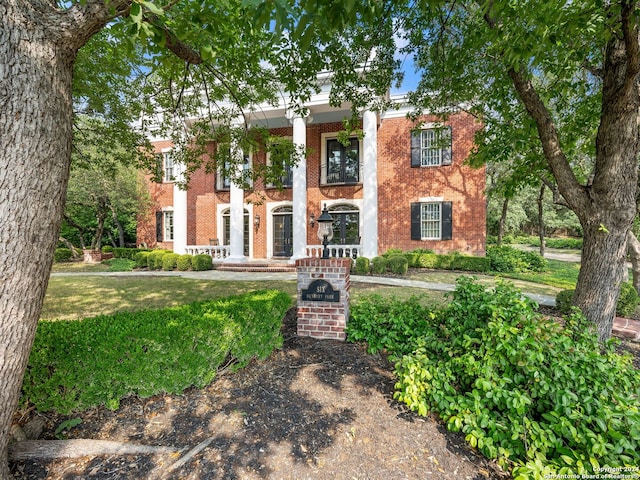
283 171
223 181
431 221
168 225
431 147
226 229
164 226
167 167
341 164
346 224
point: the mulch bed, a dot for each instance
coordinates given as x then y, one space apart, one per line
315 409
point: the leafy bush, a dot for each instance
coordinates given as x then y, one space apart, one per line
75 365
388 324
541 399
511 260
129 253
170 261
154 259
202 262
398 264
378 265
563 301
362 266
107 249
141 259
627 301
454 261
391 251
184 262
62 255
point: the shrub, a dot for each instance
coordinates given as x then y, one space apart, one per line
154 259
389 324
536 396
141 259
398 264
573 243
627 301
511 260
170 261
201 262
75 365
362 266
184 262
129 253
391 251
62 255
107 249
378 265
454 261
563 301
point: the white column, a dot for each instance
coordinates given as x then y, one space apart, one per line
299 174
236 211
179 211
370 185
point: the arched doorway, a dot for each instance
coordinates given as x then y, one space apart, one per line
283 231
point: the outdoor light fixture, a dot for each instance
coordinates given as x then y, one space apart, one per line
325 230
312 220
256 221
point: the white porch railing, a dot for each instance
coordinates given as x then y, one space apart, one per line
218 252
340 251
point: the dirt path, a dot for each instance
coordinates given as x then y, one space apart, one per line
313 410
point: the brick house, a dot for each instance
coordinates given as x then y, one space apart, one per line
395 188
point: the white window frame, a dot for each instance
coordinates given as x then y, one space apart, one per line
220 177
432 149
168 167
430 228
167 225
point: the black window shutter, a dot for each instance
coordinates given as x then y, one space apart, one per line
416 230
447 223
447 138
415 148
159 237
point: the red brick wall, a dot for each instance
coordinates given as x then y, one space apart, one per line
398 186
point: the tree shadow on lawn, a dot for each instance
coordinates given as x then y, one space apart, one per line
314 409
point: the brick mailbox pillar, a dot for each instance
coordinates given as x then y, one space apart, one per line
323 297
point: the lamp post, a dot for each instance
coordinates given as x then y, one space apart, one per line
325 230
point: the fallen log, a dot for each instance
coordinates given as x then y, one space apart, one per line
41 449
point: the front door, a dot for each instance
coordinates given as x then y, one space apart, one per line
282 235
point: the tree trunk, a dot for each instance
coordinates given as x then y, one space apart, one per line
607 207
37 52
633 247
118 225
541 229
612 197
503 219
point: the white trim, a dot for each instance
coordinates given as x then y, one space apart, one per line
431 199
356 202
323 158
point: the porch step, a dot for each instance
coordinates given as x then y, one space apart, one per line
256 267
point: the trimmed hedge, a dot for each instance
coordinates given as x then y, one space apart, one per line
511 260
129 253
184 262
378 265
154 260
170 261
398 264
201 262
362 266
62 255
141 259
451 261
